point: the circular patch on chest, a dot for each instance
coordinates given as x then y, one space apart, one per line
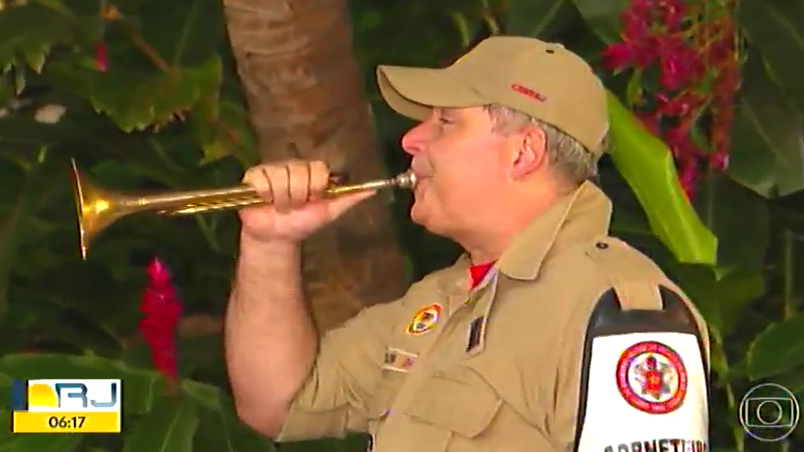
424 320
651 377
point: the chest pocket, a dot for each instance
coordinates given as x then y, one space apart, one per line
405 350
454 412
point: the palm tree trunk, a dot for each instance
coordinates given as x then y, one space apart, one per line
304 94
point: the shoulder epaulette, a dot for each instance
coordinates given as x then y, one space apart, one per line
633 276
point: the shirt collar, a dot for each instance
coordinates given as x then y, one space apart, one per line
582 215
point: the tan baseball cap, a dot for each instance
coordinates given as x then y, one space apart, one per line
538 78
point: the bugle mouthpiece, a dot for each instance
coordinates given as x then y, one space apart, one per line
406 180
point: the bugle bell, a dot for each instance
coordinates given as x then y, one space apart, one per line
98 207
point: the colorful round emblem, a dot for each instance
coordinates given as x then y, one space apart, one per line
425 319
652 378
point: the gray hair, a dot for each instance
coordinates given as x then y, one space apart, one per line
574 162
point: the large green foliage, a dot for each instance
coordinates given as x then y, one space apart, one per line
168 115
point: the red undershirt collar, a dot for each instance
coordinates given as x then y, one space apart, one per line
477 273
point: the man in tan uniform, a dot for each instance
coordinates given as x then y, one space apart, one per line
547 335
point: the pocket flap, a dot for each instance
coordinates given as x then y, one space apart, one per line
464 407
382 398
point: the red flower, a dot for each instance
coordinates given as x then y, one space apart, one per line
693 49
620 55
671 13
679 64
636 23
162 310
678 138
688 176
100 56
680 106
651 122
719 160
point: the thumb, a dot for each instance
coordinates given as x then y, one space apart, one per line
338 206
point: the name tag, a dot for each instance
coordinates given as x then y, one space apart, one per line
398 360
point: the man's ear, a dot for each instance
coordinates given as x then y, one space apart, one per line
530 152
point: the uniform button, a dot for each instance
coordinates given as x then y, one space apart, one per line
601 245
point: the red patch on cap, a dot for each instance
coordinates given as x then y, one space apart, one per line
528 92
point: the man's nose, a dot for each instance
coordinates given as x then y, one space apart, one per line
415 139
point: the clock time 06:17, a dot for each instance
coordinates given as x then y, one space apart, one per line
66 422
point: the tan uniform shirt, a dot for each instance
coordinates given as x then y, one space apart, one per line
499 369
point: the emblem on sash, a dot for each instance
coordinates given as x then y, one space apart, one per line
651 377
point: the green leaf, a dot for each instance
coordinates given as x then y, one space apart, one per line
467 26
630 222
136 101
603 17
777 349
774 26
20 81
5 419
767 151
33 44
28 442
222 431
14 227
186 33
793 379
21 321
128 7
40 318
537 18
139 389
634 89
6 89
647 165
205 395
86 285
351 443
734 291
721 301
790 214
196 352
22 131
169 427
733 212
226 134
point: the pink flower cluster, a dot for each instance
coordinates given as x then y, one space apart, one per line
162 310
100 49
101 58
692 44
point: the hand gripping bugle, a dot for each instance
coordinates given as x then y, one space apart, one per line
99 207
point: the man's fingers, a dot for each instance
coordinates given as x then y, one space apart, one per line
319 179
255 177
290 184
279 175
298 176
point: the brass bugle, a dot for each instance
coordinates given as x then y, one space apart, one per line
98 207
